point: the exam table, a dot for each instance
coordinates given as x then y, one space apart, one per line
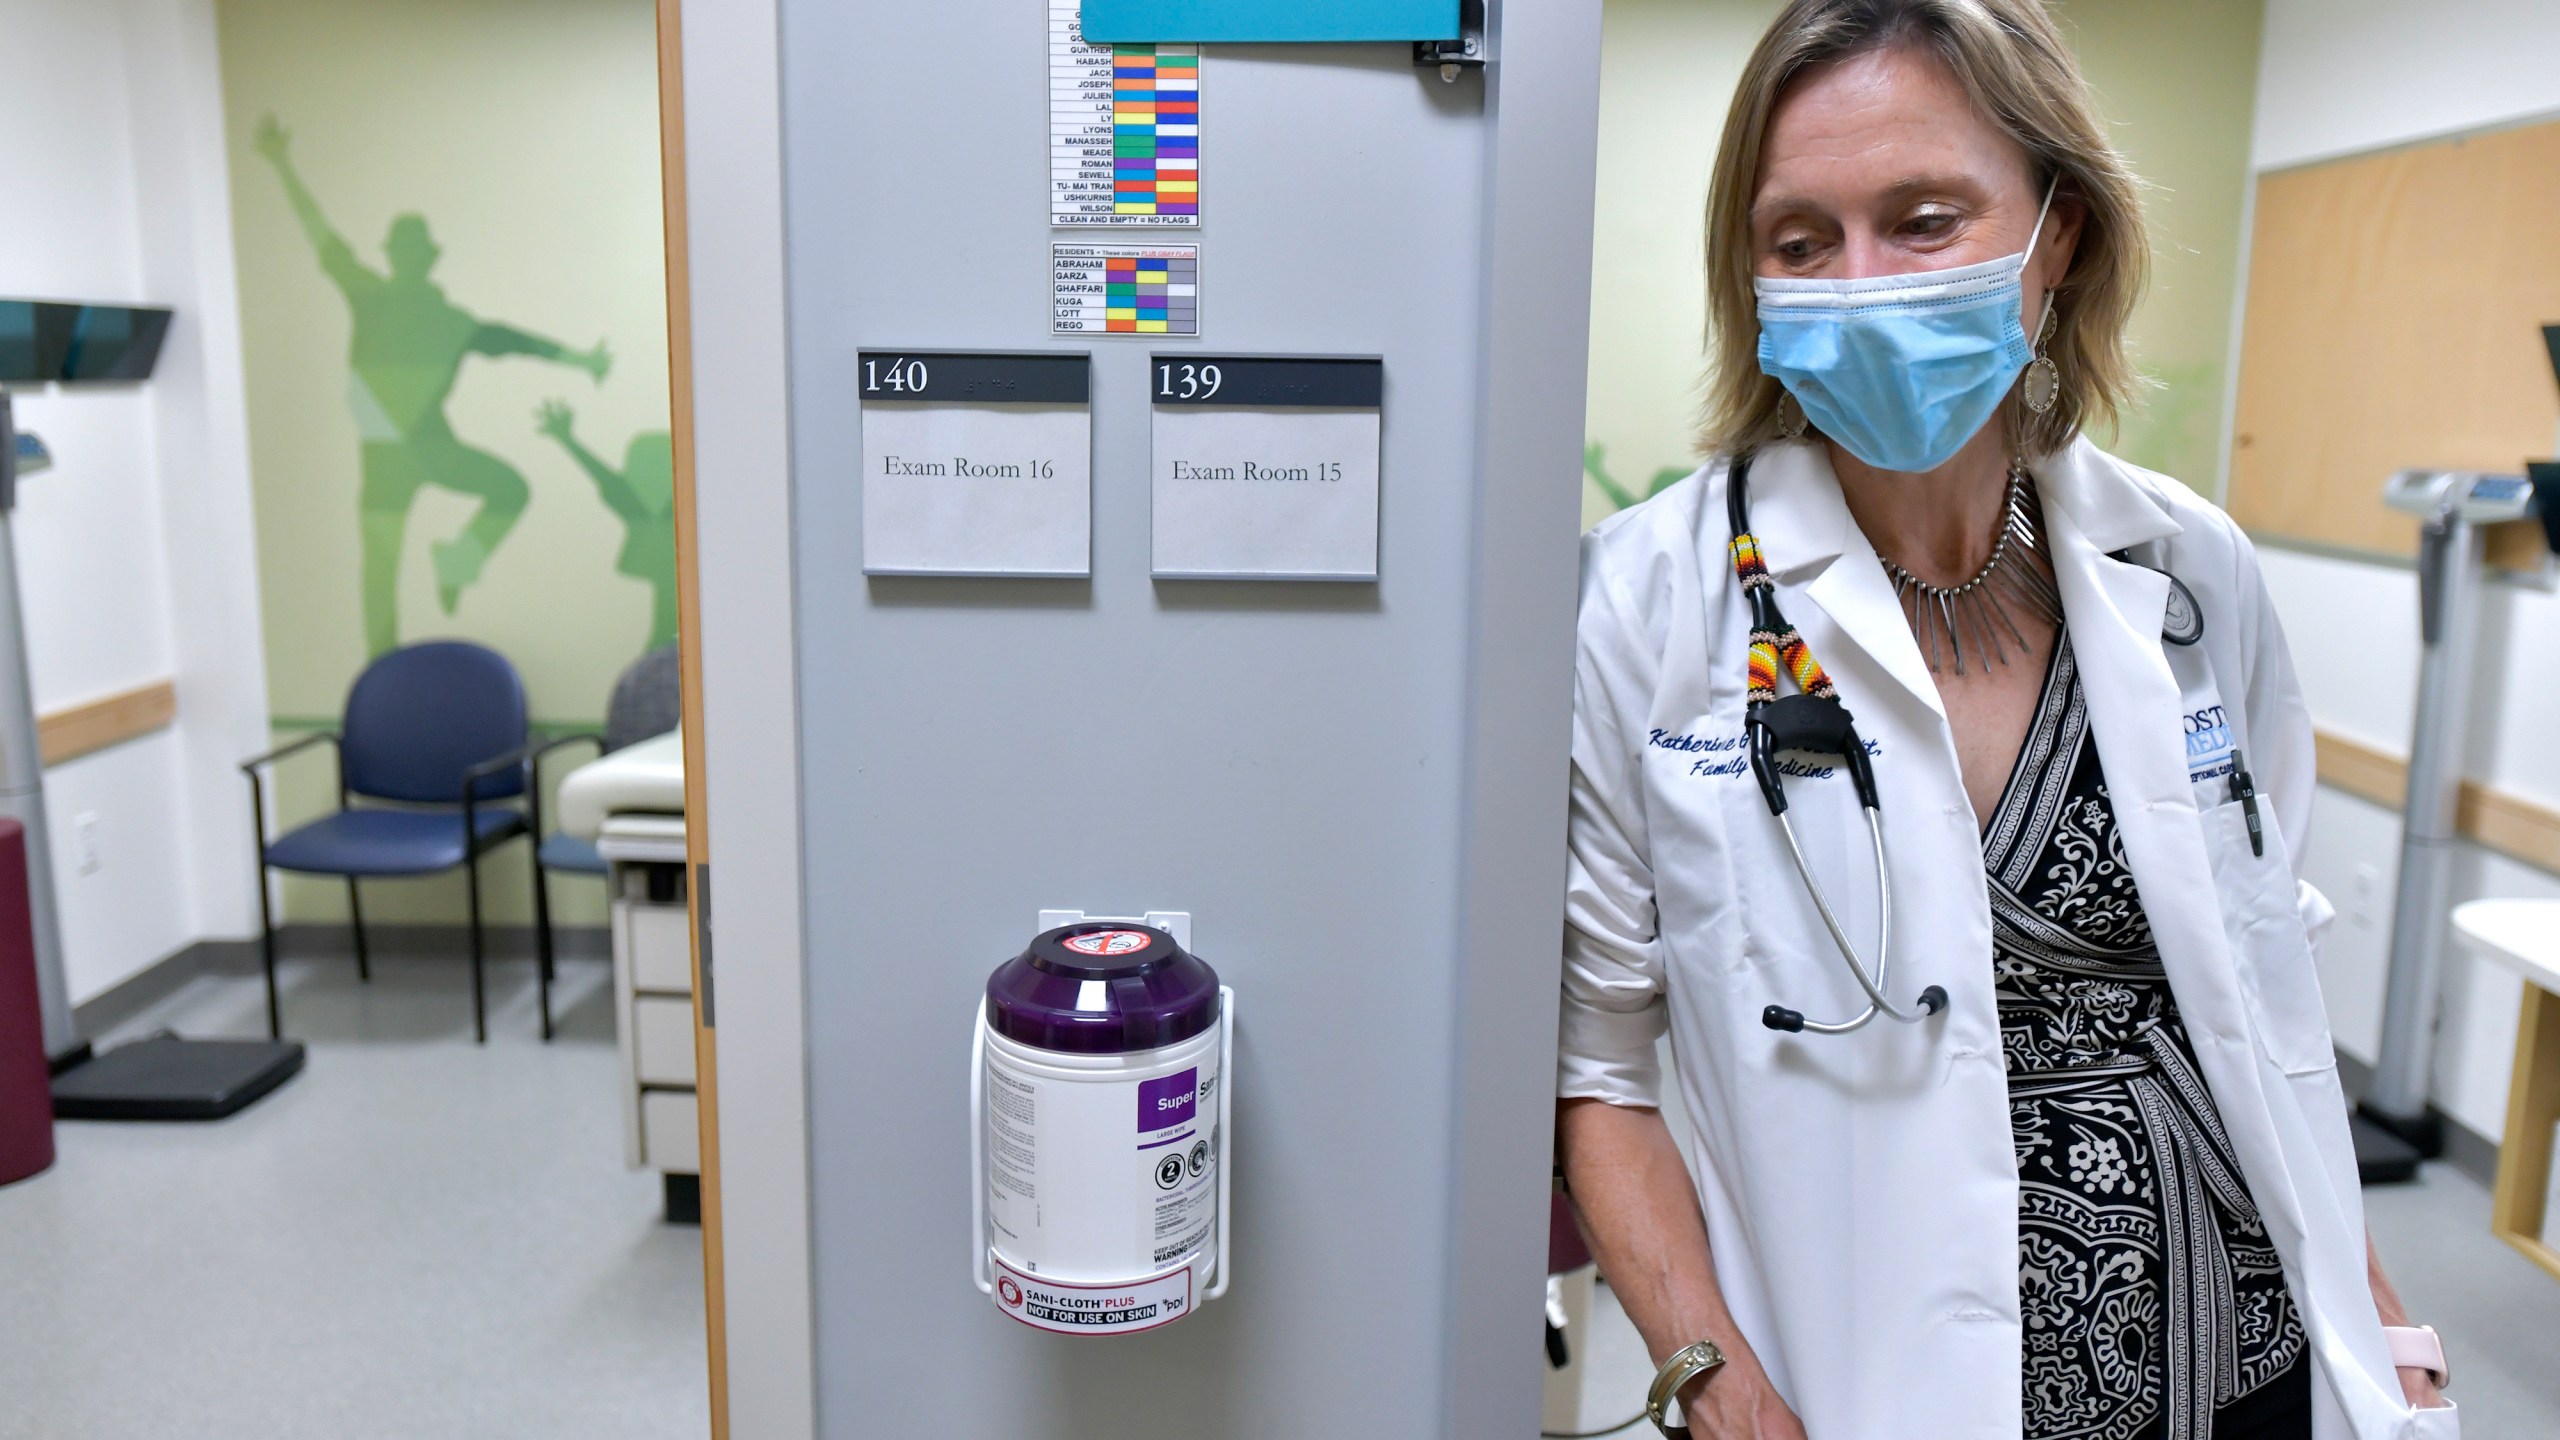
630 803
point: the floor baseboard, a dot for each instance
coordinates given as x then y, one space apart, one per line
162 978
158 981
2466 1149
310 939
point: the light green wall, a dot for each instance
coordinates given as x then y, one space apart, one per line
2176 79
527 136
1667 71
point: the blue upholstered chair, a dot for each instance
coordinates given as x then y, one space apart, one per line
647 701
435 736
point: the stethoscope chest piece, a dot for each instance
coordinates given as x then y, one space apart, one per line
2183 622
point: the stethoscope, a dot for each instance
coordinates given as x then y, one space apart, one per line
1814 722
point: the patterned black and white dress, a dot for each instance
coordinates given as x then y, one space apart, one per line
2153 1304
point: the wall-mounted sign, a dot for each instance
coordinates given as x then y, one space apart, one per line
1124 289
976 464
1266 466
1124 129
1287 20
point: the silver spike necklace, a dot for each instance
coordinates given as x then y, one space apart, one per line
1977 611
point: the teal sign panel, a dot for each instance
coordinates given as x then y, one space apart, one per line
1138 22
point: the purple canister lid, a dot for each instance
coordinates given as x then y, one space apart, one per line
1102 987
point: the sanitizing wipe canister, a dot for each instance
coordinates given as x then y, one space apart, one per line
1101 1049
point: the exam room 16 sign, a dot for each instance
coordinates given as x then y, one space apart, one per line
976 464
1266 466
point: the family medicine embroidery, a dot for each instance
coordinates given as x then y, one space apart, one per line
1726 755
1124 129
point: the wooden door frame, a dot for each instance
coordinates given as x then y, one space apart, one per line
728 376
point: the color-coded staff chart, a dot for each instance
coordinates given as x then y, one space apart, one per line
1124 129
1125 289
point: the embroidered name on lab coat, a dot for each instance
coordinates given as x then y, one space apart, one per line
1726 755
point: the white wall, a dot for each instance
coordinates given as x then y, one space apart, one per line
201 412
135 548
2340 77
2351 854
2337 77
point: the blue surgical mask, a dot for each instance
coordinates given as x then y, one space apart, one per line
1900 369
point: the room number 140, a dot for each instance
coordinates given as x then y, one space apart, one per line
901 377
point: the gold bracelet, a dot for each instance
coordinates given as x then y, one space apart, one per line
1684 1366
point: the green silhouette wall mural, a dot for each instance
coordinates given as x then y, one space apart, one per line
404 355
643 495
470 195
1595 467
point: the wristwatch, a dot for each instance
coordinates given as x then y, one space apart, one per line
2416 1347
1685 1365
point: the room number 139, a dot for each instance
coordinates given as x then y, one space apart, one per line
1187 381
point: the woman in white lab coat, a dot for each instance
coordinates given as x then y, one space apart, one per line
2090 1174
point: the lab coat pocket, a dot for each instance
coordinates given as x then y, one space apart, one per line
2262 917
1783 930
2440 1422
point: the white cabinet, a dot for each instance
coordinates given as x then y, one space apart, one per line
671 1130
653 1000
662 1040
661 943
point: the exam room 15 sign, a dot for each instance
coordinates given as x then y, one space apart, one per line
1266 466
975 463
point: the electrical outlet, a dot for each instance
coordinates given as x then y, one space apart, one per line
2360 895
84 842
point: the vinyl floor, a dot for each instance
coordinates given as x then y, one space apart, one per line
417 1236
423 1237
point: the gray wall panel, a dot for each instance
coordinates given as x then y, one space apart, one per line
1536 335
1288 762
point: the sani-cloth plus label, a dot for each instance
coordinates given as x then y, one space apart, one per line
1093 1309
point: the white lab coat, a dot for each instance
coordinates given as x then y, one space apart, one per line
1860 1191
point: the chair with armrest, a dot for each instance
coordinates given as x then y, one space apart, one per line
647 702
435 736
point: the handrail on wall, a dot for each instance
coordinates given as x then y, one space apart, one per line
93 725
2509 824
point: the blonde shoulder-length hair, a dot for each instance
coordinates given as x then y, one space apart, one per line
2013 63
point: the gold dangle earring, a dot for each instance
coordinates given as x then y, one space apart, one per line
2044 378
1791 421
